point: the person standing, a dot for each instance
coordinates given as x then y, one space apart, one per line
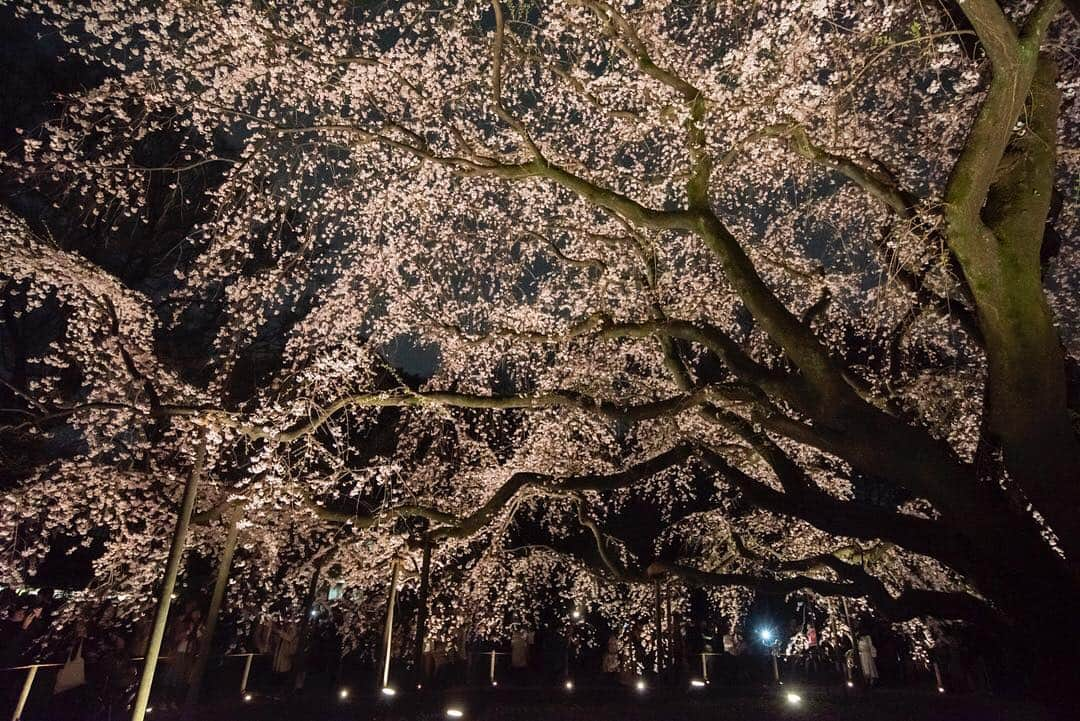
520 647
287 638
611 665
868 659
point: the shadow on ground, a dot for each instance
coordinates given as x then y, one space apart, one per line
619 704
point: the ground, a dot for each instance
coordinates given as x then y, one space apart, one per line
627 705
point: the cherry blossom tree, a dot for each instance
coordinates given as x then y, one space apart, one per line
793 275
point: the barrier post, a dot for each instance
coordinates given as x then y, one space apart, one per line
247 672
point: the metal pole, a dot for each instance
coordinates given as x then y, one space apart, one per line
25 693
422 611
176 553
775 667
207 642
247 672
491 672
704 668
389 632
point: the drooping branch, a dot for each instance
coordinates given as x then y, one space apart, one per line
600 325
553 399
803 500
911 603
898 200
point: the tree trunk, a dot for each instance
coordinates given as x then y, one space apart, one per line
206 645
305 625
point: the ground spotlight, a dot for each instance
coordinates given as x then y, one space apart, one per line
851 684
454 712
388 691
794 699
640 685
343 694
941 689
247 697
569 685
494 683
697 683
576 614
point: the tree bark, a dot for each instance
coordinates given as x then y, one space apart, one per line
206 645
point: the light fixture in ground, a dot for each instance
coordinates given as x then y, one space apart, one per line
640 685
941 689
454 712
697 683
494 683
388 691
793 698
569 685
247 697
343 694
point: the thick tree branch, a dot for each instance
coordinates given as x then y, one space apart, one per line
911 603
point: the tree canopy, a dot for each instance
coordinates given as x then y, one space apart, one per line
774 296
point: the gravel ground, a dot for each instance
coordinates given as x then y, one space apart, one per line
625 705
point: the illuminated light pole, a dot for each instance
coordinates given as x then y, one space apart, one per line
389 632
937 677
766 635
140 708
705 665
247 673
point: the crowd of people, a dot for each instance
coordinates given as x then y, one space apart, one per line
97 665
725 655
